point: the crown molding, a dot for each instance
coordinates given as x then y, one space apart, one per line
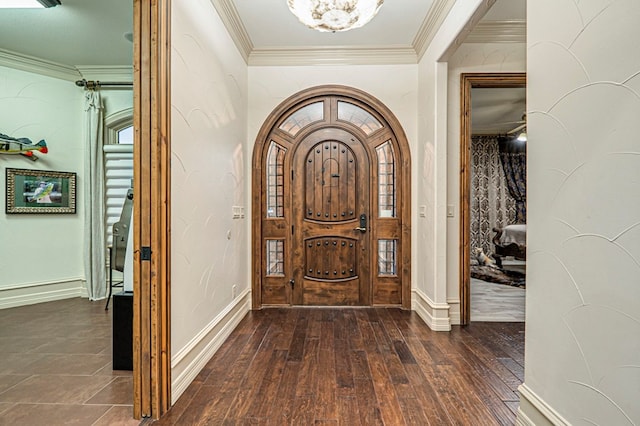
35 65
499 32
232 22
106 72
435 17
347 55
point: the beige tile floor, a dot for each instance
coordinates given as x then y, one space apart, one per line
496 302
55 367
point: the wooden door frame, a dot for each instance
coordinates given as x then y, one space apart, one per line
404 178
469 81
151 211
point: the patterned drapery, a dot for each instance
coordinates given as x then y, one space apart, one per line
491 204
513 156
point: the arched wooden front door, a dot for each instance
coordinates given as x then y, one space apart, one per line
331 203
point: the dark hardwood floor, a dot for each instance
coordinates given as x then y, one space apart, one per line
371 366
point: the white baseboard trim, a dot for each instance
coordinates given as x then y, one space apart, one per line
533 411
190 360
454 311
32 293
435 315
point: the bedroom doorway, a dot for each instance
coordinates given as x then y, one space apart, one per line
492 197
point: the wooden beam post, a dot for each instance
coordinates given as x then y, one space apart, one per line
151 214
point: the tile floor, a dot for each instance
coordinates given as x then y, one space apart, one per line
496 302
55 367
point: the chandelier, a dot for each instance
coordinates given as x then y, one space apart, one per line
334 15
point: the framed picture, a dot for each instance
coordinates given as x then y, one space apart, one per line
40 191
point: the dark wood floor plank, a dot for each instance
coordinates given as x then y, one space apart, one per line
490 371
514 367
392 362
422 376
359 365
466 405
353 331
414 413
385 390
280 411
513 406
259 367
485 393
299 336
302 412
368 406
344 372
270 383
493 337
307 380
475 345
326 402
349 411
356 366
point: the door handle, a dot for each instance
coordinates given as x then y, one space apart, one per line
363 224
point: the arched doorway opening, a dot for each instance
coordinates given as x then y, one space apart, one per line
331 203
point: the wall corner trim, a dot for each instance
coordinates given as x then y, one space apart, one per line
435 315
534 411
190 360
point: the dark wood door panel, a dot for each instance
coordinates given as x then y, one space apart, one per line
330 193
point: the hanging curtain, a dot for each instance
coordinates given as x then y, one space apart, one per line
491 205
95 250
513 156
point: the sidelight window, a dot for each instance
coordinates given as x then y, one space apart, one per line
275 180
386 180
275 257
387 257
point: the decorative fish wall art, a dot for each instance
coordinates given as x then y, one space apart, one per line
22 146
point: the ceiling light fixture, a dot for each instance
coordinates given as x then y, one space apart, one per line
334 15
522 137
28 4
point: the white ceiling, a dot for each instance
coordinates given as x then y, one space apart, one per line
79 32
92 32
497 110
270 24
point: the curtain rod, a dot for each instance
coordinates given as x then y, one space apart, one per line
91 85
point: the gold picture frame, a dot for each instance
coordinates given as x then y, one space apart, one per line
40 191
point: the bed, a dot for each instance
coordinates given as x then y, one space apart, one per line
510 241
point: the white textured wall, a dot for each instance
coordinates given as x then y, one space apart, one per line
469 58
431 159
37 249
208 142
583 272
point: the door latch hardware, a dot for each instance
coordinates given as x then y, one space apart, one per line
363 224
145 253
